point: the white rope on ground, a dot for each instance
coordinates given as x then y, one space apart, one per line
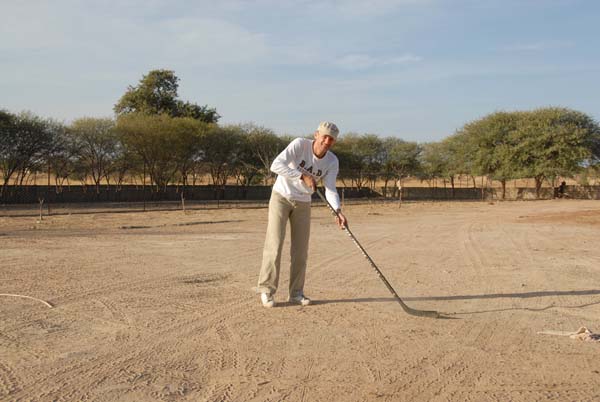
583 334
27 297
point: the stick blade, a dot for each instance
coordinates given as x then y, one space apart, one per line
419 313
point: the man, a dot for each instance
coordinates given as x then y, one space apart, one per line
298 167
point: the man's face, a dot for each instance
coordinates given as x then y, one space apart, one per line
322 144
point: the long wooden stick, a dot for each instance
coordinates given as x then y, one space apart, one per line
409 310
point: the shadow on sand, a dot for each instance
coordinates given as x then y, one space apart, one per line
179 224
525 295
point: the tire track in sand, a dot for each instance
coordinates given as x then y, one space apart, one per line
9 381
92 373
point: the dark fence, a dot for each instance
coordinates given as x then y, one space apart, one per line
492 194
436 193
132 193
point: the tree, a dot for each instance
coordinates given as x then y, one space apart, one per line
347 161
165 144
553 142
63 160
97 145
126 162
370 149
247 166
360 157
433 162
455 160
265 145
24 141
156 93
7 128
486 146
188 137
402 159
202 113
221 146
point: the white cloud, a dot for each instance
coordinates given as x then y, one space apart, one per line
355 62
82 30
538 46
405 58
332 9
269 60
31 26
363 8
213 41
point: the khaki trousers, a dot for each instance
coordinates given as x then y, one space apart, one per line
280 211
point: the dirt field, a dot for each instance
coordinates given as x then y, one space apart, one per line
158 306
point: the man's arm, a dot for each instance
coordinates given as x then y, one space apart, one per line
332 195
280 164
309 182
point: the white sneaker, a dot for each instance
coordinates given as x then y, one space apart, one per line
267 300
300 299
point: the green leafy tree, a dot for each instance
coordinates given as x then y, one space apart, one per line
247 166
7 127
553 142
486 147
62 161
372 155
264 145
221 148
258 147
202 113
360 158
402 159
164 144
455 160
25 139
433 162
97 145
188 136
126 163
347 161
156 93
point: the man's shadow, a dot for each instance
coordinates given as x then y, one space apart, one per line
526 295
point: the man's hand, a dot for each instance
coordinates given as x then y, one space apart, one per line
341 220
309 181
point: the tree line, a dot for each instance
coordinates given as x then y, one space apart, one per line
169 141
164 149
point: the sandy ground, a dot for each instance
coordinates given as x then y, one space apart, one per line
158 306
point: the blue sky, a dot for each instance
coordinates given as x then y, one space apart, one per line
415 69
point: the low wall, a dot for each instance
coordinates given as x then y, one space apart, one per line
426 193
489 194
575 192
132 193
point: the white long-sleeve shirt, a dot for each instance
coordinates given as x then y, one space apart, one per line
297 159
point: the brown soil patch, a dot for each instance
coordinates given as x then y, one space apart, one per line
585 217
158 306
